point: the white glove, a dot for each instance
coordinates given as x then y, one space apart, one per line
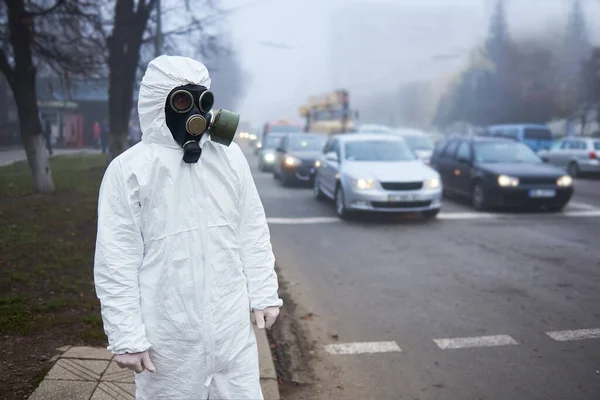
266 317
135 361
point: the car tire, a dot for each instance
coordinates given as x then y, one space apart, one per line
479 197
573 169
317 192
430 214
340 203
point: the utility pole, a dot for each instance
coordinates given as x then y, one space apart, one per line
158 39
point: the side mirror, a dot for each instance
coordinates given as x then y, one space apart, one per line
332 156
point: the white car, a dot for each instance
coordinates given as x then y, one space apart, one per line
373 128
378 173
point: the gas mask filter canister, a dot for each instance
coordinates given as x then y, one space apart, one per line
188 117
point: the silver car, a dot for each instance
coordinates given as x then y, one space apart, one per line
576 154
374 172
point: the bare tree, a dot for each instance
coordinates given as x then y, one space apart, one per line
59 35
132 36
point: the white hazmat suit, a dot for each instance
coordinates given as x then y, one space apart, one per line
183 253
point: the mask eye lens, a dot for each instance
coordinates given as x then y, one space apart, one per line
181 101
206 101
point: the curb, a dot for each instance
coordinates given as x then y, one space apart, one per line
268 375
84 373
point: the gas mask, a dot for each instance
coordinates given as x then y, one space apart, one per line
189 117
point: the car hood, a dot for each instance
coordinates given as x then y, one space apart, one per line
522 170
402 171
305 155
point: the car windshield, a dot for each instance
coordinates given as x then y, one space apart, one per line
504 152
285 129
307 143
272 142
419 142
378 150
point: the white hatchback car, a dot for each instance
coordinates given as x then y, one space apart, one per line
373 172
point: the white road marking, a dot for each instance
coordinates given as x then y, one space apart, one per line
362 348
475 341
582 206
580 214
445 216
296 221
578 334
466 215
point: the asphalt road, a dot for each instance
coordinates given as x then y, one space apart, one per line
463 307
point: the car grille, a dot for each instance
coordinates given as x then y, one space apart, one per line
401 204
308 163
402 185
537 181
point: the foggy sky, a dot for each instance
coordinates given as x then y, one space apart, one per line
367 46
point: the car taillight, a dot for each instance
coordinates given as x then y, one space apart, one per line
593 155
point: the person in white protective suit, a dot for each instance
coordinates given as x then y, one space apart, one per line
183 250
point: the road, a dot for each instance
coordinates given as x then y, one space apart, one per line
470 306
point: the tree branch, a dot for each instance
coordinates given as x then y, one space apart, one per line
47 11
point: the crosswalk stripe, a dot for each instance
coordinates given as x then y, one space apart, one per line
577 334
475 341
362 348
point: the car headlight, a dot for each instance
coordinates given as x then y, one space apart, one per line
508 181
259 145
433 183
253 137
317 164
269 157
291 161
564 181
364 184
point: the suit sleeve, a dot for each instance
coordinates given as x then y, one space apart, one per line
257 254
118 258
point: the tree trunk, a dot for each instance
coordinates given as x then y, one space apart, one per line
123 58
22 82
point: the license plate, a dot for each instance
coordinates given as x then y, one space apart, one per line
403 197
542 193
311 171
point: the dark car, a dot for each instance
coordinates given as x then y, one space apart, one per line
497 172
266 155
296 156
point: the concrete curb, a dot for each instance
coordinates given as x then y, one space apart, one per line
268 375
89 373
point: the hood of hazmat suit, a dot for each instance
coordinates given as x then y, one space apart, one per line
183 253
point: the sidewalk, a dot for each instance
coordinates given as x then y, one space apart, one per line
86 373
11 156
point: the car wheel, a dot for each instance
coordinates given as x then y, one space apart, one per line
479 197
573 169
340 203
431 214
317 192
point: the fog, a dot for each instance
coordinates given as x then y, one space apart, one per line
293 49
